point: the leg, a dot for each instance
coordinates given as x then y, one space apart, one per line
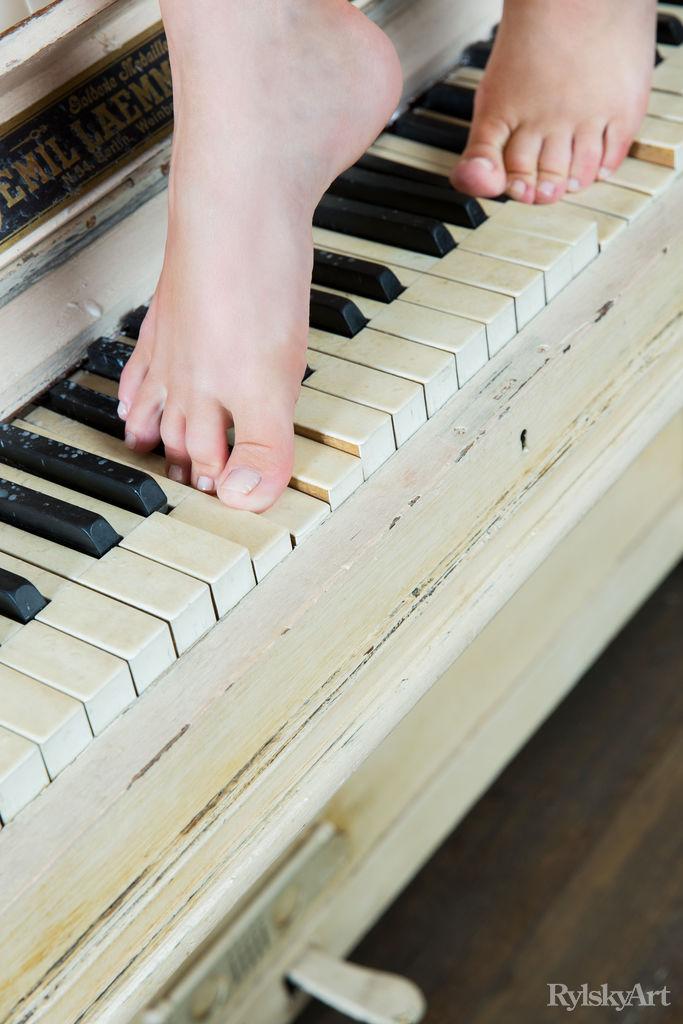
564 93
273 100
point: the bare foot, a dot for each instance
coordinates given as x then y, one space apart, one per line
273 100
564 93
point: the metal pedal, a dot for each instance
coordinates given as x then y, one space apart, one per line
373 997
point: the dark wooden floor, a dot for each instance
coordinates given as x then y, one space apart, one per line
570 869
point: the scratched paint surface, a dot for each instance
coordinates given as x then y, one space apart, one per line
95 122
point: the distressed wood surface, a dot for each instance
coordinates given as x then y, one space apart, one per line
414 789
200 787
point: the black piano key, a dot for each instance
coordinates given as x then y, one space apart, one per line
56 520
63 464
361 277
132 322
444 204
19 599
336 314
85 406
477 54
382 165
669 30
432 132
454 100
107 358
391 227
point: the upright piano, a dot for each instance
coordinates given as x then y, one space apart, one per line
228 741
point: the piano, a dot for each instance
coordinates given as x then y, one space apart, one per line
228 741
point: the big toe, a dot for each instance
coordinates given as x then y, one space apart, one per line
260 464
481 169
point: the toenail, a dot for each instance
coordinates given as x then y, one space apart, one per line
573 185
122 411
483 161
130 439
205 483
241 480
518 188
176 473
547 188
603 173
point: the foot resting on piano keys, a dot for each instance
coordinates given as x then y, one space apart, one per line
563 95
273 100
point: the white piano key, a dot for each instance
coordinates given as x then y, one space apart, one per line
432 368
12 12
100 681
667 105
442 164
433 329
22 773
438 297
668 77
466 76
659 141
652 179
266 542
140 639
356 429
612 199
8 627
522 284
325 472
222 565
299 513
402 399
55 722
609 226
574 228
441 161
465 339
552 257
181 601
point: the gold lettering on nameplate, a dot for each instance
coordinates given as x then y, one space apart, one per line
83 132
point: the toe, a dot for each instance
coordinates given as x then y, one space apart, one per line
521 163
135 370
206 437
260 464
172 429
553 167
132 378
586 157
617 142
143 420
480 170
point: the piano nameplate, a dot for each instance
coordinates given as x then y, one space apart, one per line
96 122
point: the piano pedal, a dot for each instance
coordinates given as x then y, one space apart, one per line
360 993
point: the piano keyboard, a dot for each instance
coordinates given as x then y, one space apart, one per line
109 571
